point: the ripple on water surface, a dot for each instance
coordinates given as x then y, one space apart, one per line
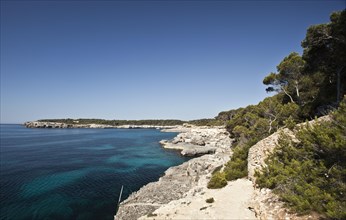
76 173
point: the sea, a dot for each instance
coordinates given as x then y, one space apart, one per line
76 173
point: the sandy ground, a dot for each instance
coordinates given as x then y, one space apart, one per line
231 202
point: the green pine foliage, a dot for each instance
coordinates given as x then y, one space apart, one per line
168 122
251 124
310 175
158 122
236 167
306 86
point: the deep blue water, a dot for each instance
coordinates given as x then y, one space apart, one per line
76 173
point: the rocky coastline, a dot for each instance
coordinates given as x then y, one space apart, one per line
40 124
195 141
186 180
182 192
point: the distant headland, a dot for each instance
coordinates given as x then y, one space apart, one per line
102 123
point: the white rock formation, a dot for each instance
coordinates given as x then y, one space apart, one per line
200 140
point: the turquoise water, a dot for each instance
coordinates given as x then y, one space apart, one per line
76 173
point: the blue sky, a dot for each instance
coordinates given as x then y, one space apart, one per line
145 59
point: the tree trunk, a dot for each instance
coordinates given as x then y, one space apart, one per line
283 89
297 92
297 89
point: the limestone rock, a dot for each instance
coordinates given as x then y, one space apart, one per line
200 140
178 182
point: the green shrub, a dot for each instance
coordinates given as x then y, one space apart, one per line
237 166
218 180
310 175
290 123
217 169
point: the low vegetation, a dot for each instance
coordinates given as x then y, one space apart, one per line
116 122
169 122
218 180
309 175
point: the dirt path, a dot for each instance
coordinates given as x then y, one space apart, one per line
231 202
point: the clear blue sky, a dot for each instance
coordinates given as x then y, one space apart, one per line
145 59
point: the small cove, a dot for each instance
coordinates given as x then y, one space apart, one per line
76 173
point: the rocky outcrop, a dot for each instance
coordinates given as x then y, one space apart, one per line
178 182
40 124
188 149
185 180
200 140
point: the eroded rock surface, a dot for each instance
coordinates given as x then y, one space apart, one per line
230 202
200 140
178 182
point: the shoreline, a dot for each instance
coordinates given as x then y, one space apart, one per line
182 192
183 181
39 124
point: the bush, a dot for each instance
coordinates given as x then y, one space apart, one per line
290 123
237 166
218 180
310 175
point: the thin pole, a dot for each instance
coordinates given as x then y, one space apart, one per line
121 192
